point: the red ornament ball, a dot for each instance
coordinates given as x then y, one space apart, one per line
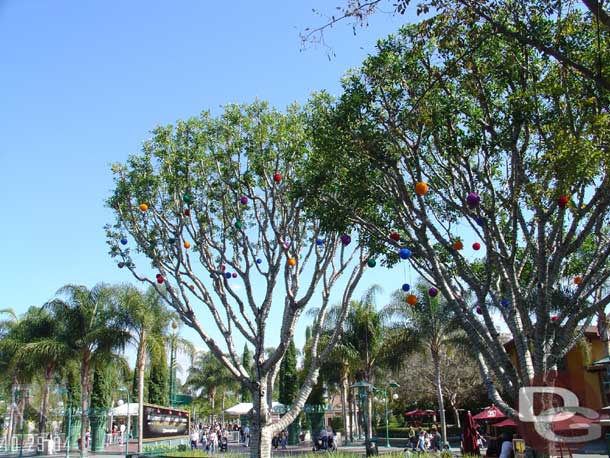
562 201
476 246
395 236
554 318
277 177
223 267
160 279
187 212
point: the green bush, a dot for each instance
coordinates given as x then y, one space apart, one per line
336 423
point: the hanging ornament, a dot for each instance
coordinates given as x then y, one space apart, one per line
187 212
411 299
578 280
371 262
473 200
421 188
160 278
259 261
480 221
479 310
476 246
277 177
406 287
292 262
554 318
504 303
562 202
188 199
458 245
433 292
405 253
228 275
286 245
187 245
346 239
121 264
223 267
143 207
234 275
319 242
395 236
192 287
243 200
238 224
124 241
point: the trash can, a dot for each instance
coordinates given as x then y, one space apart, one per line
371 448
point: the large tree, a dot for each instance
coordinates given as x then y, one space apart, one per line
484 167
209 204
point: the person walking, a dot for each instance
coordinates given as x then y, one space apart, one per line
284 439
421 441
194 439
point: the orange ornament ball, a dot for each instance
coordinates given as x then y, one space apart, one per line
143 207
292 262
421 188
578 280
458 245
187 245
411 299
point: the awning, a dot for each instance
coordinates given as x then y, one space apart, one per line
602 362
490 413
121 411
243 408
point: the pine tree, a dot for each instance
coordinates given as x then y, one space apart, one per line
246 360
288 375
158 380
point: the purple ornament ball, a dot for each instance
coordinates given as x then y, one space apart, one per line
473 200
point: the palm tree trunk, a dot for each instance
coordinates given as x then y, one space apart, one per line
439 393
141 360
344 401
84 381
11 425
42 423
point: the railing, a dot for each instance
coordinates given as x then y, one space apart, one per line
30 444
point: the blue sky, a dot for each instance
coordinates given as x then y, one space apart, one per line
83 82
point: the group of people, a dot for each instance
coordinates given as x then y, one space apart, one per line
280 439
215 437
425 441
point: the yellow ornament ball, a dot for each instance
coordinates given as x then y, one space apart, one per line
292 262
411 299
421 188
143 207
187 245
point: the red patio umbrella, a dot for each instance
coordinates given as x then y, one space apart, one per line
490 413
507 423
470 444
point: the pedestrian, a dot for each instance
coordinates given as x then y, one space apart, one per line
436 439
194 438
247 435
506 447
284 439
421 441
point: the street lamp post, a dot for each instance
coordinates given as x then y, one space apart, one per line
363 389
392 384
68 431
128 419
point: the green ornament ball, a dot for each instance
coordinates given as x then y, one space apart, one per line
238 224
371 262
187 198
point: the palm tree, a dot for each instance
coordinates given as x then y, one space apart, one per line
149 320
44 349
94 326
208 374
429 326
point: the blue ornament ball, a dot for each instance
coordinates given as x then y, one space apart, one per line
406 287
480 220
123 241
228 275
259 260
319 242
404 253
504 303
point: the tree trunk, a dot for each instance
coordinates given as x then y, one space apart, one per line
456 414
439 394
141 360
42 423
84 381
344 401
350 431
369 416
260 433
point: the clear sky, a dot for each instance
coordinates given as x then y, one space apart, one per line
82 82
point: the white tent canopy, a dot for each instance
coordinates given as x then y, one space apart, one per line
243 408
122 410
